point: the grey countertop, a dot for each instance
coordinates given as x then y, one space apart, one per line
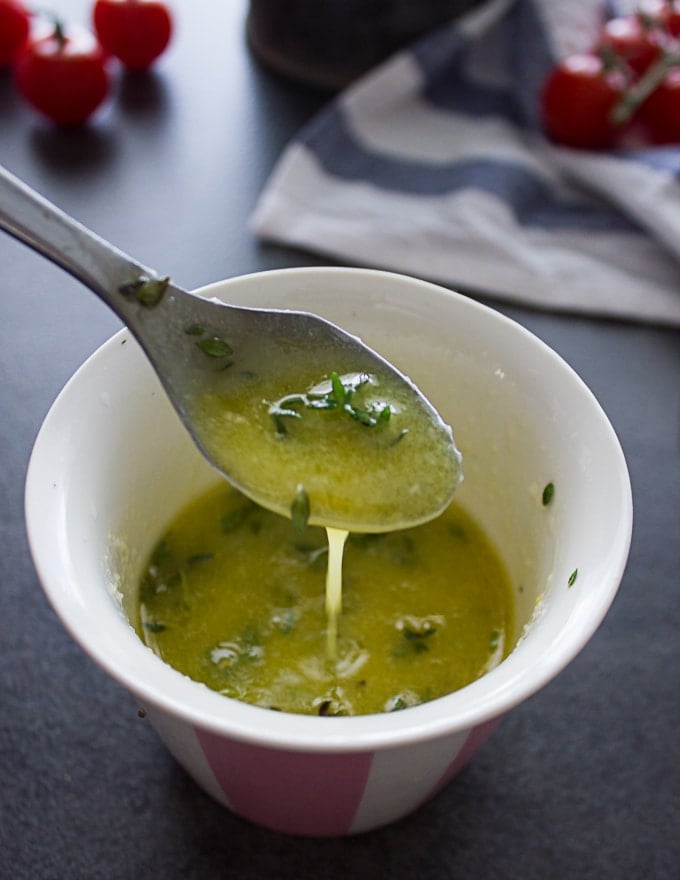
581 781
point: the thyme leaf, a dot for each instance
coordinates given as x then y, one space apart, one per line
215 346
235 518
199 558
548 494
299 509
147 291
336 393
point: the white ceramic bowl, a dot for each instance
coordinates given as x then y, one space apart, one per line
112 465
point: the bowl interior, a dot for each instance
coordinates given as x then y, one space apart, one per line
112 465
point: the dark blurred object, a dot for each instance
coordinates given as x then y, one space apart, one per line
328 43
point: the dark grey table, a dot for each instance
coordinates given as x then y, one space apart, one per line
582 781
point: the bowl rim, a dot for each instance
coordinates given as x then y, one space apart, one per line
519 676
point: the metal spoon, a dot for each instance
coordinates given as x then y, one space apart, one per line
201 347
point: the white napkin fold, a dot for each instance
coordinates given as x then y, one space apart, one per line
434 165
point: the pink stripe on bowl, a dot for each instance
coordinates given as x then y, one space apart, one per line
288 791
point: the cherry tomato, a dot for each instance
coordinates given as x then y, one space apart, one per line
670 17
15 25
634 39
577 100
666 13
134 31
661 111
63 75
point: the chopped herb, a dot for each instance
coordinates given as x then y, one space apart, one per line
299 509
198 558
255 525
153 627
367 417
311 551
572 578
495 639
226 655
162 573
194 330
424 633
285 620
415 637
366 539
251 636
316 555
235 518
147 291
400 436
215 347
331 707
339 392
548 494
402 549
402 701
336 394
457 531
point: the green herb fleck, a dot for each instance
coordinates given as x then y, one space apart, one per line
285 620
317 555
338 396
400 436
235 518
402 549
424 633
226 655
548 494
153 627
495 639
330 707
147 291
215 346
299 509
572 578
198 558
339 391
415 635
397 704
194 330
366 539
162 573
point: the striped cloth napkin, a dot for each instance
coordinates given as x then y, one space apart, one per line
434 165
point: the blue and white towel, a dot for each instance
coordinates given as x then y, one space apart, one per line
434 165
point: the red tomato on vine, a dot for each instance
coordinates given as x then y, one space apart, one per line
633 39
15 25
134 31
666 13
63 75
661 111
578 99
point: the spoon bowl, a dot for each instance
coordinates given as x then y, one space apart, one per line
241 378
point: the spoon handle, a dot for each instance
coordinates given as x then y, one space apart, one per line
36 222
